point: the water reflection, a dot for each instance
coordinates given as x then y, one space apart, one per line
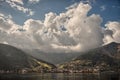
61 76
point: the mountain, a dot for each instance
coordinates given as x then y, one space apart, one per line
111 50
104 58
12 58
54 58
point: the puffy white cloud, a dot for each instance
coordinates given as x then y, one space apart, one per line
6 23
21 40
79 29
32 25
114 32
108 38
14 34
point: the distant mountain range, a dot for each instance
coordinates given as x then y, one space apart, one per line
12 58
105 57
59 58
54 58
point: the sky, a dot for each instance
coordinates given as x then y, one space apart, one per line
59 25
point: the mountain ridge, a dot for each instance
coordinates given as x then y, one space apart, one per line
12 58
105 58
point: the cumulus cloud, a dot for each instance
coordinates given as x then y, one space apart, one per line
114 32
80 24
32 25
67 29
13 34
72 30
13 4
6 24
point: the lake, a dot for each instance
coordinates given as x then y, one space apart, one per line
62 76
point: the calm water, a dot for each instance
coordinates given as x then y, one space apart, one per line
61 76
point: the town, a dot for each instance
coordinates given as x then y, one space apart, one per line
96 69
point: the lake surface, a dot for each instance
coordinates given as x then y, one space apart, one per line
62 76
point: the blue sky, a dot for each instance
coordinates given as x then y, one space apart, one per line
109 10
